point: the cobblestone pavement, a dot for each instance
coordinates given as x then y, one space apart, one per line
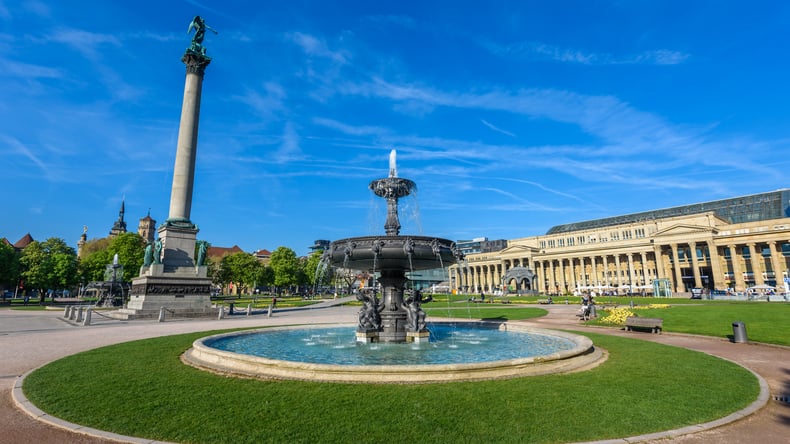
29 339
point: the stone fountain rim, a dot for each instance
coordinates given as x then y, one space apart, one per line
398 237
582 357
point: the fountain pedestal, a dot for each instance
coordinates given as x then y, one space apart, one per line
391 256
393 315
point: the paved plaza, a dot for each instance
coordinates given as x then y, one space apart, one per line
29 339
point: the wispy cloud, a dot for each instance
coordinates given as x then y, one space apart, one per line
497 129
543 51
11 68
87 43
316 47
17 147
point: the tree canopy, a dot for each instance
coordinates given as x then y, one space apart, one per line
49 265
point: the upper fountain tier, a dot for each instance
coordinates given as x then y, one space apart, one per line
392 251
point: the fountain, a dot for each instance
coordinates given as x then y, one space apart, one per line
392 319
391 341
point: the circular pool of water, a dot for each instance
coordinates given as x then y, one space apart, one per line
456 351
449 344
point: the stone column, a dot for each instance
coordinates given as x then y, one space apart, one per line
618 274
695 265
631 274
658 254
605 271
776 255
756 257
571 262
643 257
679 287
594 271
186 149
715 266
737 275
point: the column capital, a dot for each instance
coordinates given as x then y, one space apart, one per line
196 63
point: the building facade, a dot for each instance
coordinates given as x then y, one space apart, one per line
730 244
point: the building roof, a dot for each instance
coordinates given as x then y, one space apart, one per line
220 252
263 253
26 240
751 208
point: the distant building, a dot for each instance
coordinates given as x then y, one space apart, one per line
147 228
119 227
22 243
217 253
730 244
263 255
480 245
320 245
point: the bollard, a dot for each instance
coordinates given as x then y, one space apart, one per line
79 315
66 312
249 309
221 313
87 320
270 311
72 313
231 308
162 314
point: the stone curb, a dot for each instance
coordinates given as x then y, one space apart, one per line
21 401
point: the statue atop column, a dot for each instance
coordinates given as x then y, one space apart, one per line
200 27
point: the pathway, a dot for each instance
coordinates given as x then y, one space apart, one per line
31 339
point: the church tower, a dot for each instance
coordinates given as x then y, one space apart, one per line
119 227
146 228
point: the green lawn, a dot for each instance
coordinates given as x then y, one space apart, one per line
767 322
141 388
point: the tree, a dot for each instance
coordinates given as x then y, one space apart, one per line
130 248
9 266
311 267
242 268
285 265
49 265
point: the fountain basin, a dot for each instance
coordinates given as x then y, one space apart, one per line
407 253
579 355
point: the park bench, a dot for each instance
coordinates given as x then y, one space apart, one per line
654 324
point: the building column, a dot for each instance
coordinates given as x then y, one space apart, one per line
757 264
715 266
631 275
565 282
695 265
572 260
658 253
605 270
778 268
679 287
737 274
643 256
595 280
618 271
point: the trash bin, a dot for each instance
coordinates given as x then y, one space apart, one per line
739 332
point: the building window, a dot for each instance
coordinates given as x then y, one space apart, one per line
570 241
560 242
615 236
639 232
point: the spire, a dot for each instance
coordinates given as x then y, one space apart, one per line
119 226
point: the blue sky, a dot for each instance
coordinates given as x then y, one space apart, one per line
511 116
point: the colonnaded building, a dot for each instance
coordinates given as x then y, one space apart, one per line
731 244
